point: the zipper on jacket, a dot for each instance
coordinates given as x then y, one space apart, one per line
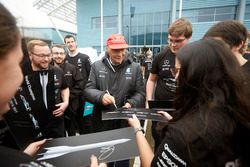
110 64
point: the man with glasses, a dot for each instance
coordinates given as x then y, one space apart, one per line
162 78
40 57
75 81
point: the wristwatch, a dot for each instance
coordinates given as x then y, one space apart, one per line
139 129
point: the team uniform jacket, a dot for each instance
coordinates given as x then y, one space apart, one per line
124 82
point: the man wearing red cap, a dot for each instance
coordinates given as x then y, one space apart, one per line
115 80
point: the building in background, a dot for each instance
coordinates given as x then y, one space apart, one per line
35 24
145 22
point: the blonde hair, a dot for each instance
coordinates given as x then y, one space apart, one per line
31 44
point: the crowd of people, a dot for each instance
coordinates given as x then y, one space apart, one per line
207 80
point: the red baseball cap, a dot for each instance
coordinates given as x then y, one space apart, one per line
116 41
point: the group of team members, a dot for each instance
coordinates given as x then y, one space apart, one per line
208 81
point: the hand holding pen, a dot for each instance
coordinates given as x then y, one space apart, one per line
108 99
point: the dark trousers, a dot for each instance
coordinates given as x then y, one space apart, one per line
70 126
84 123
54 129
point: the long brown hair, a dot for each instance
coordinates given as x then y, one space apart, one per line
211 76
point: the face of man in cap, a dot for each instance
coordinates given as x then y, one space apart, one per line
116 46
116 55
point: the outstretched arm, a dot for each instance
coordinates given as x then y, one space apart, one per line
32 149
146 153
150 86
62 106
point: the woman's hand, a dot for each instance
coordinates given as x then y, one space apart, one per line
32 149
165 115
134 122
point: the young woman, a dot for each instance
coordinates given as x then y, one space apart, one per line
11 77
211 124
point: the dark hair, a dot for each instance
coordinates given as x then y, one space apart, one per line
210 75
9 32
230 31
69 36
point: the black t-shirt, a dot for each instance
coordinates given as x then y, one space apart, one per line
83 63
15 158
201 140
166 84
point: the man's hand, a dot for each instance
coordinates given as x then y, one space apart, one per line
108 99
165 115
127 105
94 162
60 111
32 149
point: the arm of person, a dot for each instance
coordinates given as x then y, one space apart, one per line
150 86
91 93
166 115
32 148
108 99
145 151
62 106
143 70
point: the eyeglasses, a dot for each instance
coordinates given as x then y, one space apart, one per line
177 41
42 55
58 53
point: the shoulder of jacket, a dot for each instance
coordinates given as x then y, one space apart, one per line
82 55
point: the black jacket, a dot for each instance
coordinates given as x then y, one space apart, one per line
74 80
124 82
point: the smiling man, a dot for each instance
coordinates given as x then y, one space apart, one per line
74 80
165 66
40 57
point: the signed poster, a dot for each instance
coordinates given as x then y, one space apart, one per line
75 151
141 113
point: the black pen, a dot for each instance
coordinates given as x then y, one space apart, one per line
113 103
